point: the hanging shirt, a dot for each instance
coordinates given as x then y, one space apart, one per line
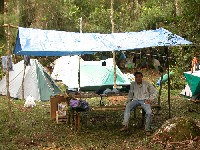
27 60
4 63
143 91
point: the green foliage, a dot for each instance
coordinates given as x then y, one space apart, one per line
153 14
100 13
128 16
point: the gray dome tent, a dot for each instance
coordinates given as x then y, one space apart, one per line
37 82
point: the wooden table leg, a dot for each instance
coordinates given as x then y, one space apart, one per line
78 121
69 117
143 117
135 113
75 120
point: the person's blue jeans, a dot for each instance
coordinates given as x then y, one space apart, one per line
132 105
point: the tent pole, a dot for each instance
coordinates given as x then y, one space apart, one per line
12 26
7 31
23 82
160 90
7 71
79 68
169 105
114 54
79 63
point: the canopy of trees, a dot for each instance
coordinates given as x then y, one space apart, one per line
181 17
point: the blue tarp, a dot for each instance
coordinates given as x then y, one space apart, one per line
37 42
145 39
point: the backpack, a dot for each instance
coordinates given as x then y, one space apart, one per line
79 105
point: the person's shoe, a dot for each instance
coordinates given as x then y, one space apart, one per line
148 133
125 128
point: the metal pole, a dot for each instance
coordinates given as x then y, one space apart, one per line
168 82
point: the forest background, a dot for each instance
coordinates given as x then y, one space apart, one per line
181 17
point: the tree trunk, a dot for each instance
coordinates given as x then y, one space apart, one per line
136 11
111 16
7 31
113 30
2 34
131 10
178 7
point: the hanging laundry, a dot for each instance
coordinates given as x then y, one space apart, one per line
4 63
27 60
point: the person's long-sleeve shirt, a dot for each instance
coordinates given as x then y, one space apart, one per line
144 91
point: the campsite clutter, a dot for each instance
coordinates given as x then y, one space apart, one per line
93 75
66 109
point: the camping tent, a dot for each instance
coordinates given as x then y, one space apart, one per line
92 74
186 91
95 76
66 69
192 89
37 82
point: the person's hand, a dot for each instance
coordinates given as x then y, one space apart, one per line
147 101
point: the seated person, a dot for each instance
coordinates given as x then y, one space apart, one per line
141 93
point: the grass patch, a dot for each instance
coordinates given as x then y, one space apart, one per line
33 129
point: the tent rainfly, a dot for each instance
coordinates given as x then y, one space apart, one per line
37 82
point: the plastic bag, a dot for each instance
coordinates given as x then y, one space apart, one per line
30 102
107 91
